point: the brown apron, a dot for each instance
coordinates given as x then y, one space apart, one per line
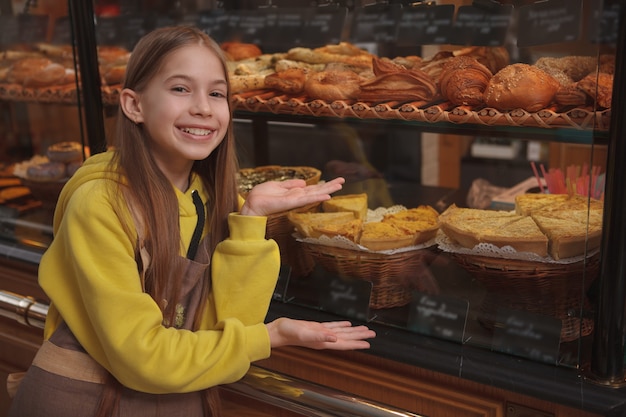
64 380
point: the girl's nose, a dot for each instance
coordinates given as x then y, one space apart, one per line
201 105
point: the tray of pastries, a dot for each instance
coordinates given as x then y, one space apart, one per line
471 85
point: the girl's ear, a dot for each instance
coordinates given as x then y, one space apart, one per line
129 101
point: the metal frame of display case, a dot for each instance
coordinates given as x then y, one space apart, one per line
607 366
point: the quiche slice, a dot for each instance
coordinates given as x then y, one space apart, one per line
385 236
422 222
470 227
567 236
356 203
306 223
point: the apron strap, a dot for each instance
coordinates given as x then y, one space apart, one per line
197 233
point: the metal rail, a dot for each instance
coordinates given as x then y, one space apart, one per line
269 387
24 310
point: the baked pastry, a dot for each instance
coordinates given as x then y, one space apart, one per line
65 152
571 95
45 172
308 224
422 222
333 85
573 67
470 227
599 87
379 236
114 74
36 72
521 86
290 81
13 193
568 237
111 55
236 51
249 177
350 230
355 203
573 223
343 52
555 204
394 82
463 81
494 58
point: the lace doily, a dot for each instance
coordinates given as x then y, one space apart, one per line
506 252
372 216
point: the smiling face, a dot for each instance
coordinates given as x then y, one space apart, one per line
184 110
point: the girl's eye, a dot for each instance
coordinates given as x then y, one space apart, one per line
218 94
179 89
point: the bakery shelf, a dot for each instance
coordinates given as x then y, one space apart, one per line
579 122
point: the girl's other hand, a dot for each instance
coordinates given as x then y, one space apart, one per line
335 335
276 196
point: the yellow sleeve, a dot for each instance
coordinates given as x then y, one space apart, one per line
90 274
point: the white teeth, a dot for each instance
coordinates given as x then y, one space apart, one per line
197 132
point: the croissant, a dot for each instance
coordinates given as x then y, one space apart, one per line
463 81
394 82
599 87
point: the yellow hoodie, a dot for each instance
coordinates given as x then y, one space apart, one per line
91 276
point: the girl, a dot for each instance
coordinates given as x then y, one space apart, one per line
159 277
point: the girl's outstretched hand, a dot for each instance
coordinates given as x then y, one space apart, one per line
276 196
334 335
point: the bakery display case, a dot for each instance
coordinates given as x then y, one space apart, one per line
448 107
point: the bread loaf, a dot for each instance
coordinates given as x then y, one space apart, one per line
521 86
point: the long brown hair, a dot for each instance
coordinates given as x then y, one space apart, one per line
152 193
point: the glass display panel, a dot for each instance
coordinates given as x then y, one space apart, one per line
413 132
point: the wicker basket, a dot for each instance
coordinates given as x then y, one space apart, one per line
392 275
292 253
248 177
45 191
551 289
278 226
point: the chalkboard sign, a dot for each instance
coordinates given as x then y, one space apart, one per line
282 284
33 28
324 26
108 30
187 19
345 296
162 21
480 26
23 29
549 22
284 28
439 316
133 28
528 335
425 25
62 33
10 33
604 23
251 27
123 30
375 24
214 24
